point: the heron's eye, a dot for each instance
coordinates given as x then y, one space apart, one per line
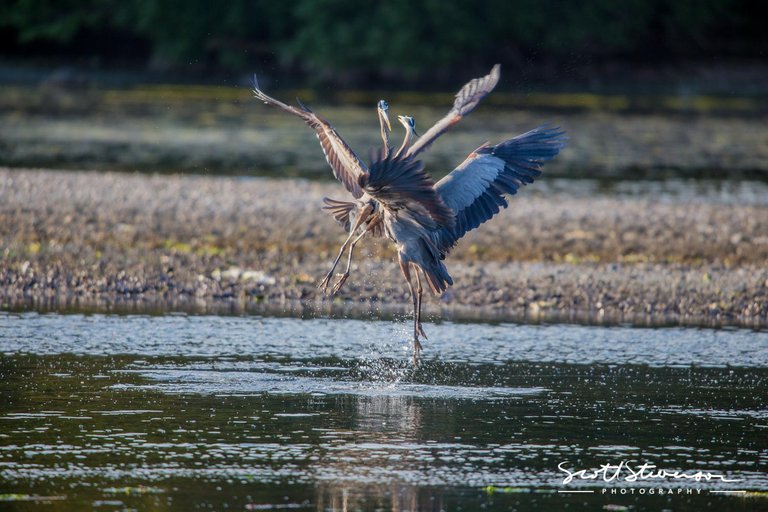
383 105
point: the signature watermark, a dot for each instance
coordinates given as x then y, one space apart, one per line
623 471
645 473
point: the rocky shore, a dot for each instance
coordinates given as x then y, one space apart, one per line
80 238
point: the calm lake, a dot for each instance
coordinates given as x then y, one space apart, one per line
185 412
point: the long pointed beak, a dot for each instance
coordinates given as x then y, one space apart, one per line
384 117
407 125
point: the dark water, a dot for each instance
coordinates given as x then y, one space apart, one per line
251 413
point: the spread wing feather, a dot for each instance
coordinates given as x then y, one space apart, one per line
475 190
344 213
347 166
399 183
466 100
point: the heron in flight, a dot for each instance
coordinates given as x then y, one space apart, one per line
395 197
347 212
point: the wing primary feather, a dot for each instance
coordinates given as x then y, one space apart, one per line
303 106
346 165
466 101
475 191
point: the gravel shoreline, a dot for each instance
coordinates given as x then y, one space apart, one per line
168 242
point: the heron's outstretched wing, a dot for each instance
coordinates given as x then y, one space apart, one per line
466 100
475 190
400 183
346 165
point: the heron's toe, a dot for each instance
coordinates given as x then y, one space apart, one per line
340 283
324 283
416 351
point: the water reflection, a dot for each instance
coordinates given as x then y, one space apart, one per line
346 496
343 478
395 414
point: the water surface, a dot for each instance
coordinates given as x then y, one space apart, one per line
255 413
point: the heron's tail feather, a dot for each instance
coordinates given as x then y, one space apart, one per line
438 278
434 269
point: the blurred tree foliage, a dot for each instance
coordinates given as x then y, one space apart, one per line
391 35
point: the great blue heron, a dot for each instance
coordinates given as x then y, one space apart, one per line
351 210
395 197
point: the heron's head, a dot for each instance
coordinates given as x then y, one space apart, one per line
383 110
409 123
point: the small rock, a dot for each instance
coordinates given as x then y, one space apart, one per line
258 276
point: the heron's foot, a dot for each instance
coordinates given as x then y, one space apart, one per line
420 331
342 279
416 351
324 283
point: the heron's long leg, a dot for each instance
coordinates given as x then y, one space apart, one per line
345 275
324 283
420 291
405 269
362 217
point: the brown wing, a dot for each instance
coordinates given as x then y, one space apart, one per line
466 100
400 183
347 166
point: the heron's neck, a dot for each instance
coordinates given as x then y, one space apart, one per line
385 138
406 142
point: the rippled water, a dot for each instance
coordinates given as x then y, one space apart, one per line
255 413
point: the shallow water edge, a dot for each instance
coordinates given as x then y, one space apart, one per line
249 412
350 309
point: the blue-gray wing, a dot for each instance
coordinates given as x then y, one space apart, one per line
475 190
347 166
400 184
466 100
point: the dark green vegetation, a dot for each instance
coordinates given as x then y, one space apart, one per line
385 39
248 413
